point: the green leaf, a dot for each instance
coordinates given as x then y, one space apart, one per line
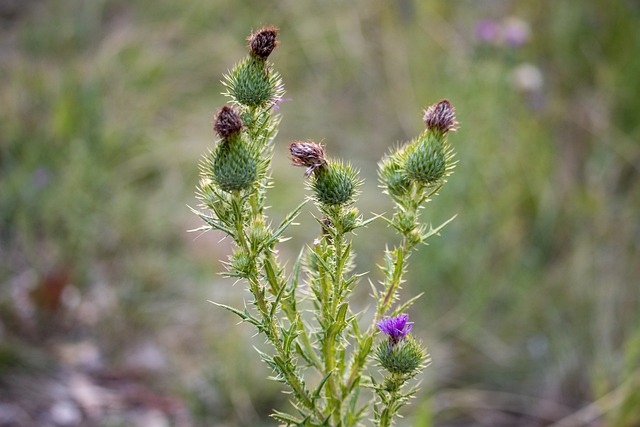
284 224
213 222
370 220
288 419
244 315
276 287
403 308
436 230
316 394
289 335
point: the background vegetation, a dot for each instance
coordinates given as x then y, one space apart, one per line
532 297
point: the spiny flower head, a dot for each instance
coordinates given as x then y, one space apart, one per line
441 117
307 154
429 158
227 122
335 184
396 328
232 165
406 358
263 41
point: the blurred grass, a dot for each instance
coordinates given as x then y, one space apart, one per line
531 293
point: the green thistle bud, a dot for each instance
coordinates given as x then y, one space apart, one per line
406 221
392 174
263 42
428 159
350 220
240 263
258 232
406 357
233 165
250 83
335 184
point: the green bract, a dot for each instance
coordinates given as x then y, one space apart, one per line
335 184
252 82
393 176
234 165
428 159
406 358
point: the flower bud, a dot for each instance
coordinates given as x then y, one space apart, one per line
441 117
392 175
249 83
350 220
335 184
227 122
428 160
240 263
234 165
258 232
263 41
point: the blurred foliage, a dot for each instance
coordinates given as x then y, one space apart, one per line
532 304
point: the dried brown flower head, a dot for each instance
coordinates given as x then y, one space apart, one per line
441 117
307 154
227 122
263 41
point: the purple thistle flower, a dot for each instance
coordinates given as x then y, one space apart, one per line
396 327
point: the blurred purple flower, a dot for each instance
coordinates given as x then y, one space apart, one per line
487 31
515 32
396 327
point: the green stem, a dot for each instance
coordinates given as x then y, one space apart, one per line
270 327
394 277
329 348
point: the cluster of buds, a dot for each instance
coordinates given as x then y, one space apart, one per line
236 163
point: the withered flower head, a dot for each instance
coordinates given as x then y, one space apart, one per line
227 122
441 117
307 154
263 41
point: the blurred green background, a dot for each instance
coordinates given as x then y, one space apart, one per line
532 295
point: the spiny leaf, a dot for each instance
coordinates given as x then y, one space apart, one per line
287 418
285 223
244 315
403 308
317 394
215 224
436 230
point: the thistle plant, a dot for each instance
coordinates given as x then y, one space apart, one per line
341 368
